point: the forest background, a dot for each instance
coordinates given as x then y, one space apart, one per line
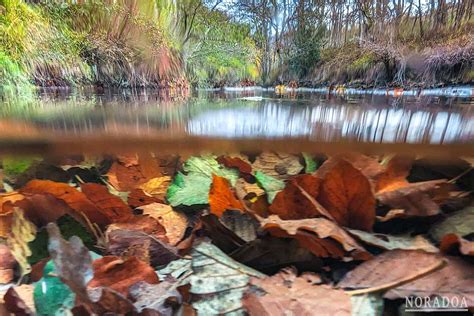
212 43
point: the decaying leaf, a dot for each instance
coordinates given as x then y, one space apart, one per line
73 264
452 243
285 293
137 198
120 241
7 201
270 254
7 264
291 203
367 304
119 274
129 172
460 223
346 194
221 198
245 190
217 282
278 165
390 242
174 222
16 304
147 225
413 198
22 232
321 236
270 184
455 279
239 163
72 261
152 297
242 224
111 206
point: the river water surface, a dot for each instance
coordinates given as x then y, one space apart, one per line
242 116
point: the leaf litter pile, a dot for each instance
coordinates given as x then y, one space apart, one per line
264 234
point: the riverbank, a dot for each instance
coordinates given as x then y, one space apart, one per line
451 91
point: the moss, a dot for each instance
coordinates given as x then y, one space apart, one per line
16 166
362 64
469 76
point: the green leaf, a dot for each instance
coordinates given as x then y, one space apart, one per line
460 223
193 188
51 296
310 164
207 166
270 184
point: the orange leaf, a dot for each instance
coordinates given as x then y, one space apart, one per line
290 203
99 205
110 205
119 274
346 194
221 197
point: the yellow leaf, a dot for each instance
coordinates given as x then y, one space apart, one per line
22 232
157 187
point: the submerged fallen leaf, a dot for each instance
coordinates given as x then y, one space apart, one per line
137 198
152 297
270 184
217 282
321 236
460 223
7 201
22 232
285 293
455 279
188 190
174 222
221 198
7 264
119 274
346 194
111 206
129 172
243 166
193 188
73 264
16 304
291 203
76 200
278 165
413 198
247 191
122 241
157 187
390 242
452 243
